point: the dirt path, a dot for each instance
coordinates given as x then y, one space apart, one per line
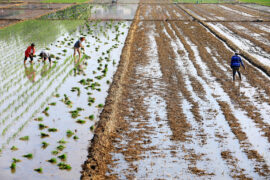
173 110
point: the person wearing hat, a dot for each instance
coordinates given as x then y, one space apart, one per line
45 55
236 62
29 53
77 47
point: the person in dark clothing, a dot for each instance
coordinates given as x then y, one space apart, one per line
77 47
236 62
45 55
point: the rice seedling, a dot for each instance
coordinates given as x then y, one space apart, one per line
91 117
44 135
39 119
14 148
42 126
74 114
64 166
94 72
24 138
64 50
45 144
69 133
75 137
13 166
76 89
100 105
62 141
53 104
28 156
55 152
89 93
98 89
80 121
39 170
108 82
91 100
63 157
53 160
57 95
47 48
92 127
60 147
16 160
52 130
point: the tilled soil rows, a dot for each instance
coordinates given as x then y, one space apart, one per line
173 110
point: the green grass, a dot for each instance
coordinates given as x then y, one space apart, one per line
64 1
262 2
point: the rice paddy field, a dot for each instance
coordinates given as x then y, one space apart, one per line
151 98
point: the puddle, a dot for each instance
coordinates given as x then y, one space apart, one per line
32 93
94 11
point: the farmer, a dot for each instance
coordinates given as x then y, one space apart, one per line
77 47
235 64
29 53
45 55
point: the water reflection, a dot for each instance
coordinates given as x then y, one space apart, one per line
30 72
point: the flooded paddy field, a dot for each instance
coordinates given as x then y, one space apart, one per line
175 112
49 111
152 97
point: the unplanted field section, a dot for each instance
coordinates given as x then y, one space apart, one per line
29 11
162 12
226 12
180 113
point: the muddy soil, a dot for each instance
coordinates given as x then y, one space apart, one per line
173 110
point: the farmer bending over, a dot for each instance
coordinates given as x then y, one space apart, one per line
45 55
235 64
29 53
77 47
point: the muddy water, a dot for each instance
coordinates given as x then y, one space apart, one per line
28 90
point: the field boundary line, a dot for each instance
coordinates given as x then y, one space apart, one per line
94 167
230 44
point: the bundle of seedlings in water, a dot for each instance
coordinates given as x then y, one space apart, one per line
67 101
39 119
91 117
42 126
64 166
13 166
16 160
52 130
14 148
44 144
63 157
52 160
92 128
57 95
55 152
108 82
69 133
75 137
53 104
39 170
100 105
62 141
45 111
73 89
80 121
28 156
60 147
44 135
24 138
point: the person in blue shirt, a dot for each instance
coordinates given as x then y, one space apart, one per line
77 47
236 62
